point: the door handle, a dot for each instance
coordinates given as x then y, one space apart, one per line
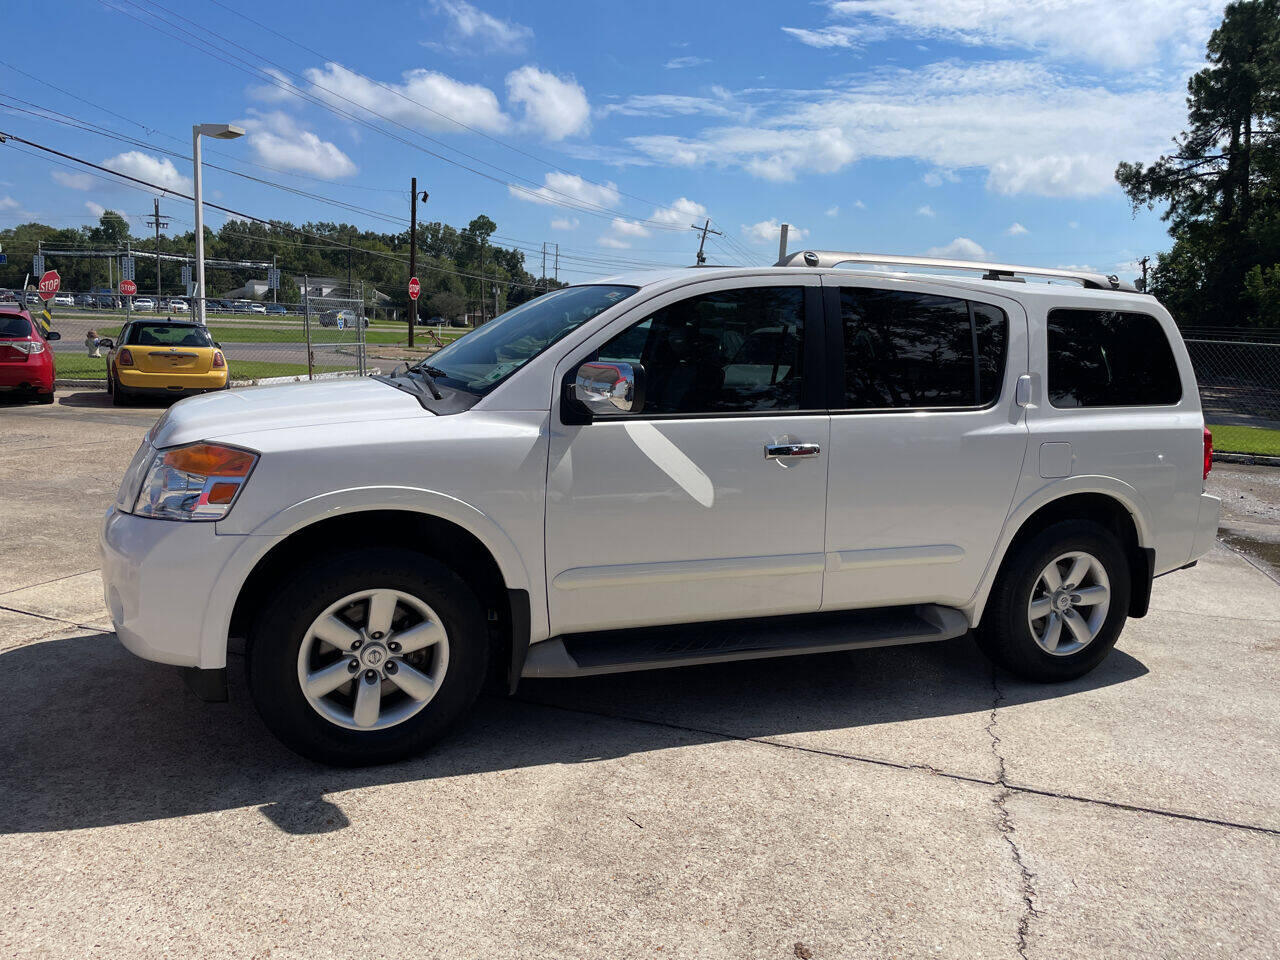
790 451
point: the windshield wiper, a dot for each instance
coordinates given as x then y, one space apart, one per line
427 379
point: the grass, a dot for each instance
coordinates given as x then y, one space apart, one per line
1256 440
234 334
92 368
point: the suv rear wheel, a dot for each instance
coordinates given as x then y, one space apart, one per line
368 656
1059 604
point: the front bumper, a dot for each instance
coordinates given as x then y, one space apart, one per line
170 586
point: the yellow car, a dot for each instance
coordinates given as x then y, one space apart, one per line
164 358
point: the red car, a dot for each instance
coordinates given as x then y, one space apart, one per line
26 359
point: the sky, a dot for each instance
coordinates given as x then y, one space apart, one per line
968 128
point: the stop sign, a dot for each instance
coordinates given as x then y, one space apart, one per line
128 288
49 285
414 288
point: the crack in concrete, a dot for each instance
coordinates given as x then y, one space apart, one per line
1004 823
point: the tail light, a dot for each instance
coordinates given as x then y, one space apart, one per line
1208 452
218 360
28 347
125 359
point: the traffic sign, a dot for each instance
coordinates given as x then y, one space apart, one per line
49 284
415 288
342 323
37 264
4 258
273 278
128 288
186 275
126 268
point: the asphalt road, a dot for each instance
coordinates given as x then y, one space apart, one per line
902 802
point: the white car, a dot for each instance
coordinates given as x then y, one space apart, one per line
64 300
677 467
143 303
256 307
178 306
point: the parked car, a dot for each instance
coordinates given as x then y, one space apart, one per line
176 305
276 309
144 304
163 358
672 468
64 300
349 318
8 296
256 307
33 299
26 359
85 301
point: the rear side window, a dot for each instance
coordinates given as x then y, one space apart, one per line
1108 358
14 326
907 350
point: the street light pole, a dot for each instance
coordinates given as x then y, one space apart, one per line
221 131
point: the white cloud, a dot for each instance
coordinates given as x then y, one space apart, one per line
419 101
628 228
681 213
680 63
554 106
280 142
833 211
1115 36
1073 224
673 105
613 242
1030 129
8 203
1016 230
828 38
467 23
96 210
157 170
569 188
285 87
926 211
859 204
565 223
767 231
76 181
961 248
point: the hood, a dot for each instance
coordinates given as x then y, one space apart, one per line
255 409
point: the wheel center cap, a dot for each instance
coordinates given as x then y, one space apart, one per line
373 655
1062 601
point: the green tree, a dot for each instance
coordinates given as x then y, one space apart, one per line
1219 185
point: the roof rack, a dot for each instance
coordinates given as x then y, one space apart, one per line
989 271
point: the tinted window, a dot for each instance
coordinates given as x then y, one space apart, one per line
167 335
906 349
13 325
724 352
1103 358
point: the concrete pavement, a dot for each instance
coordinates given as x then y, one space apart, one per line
901 802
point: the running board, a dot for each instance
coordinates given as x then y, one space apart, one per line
652 648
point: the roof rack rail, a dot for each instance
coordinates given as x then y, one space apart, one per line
989 271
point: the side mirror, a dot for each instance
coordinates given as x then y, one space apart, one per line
106 342
609 388
53 335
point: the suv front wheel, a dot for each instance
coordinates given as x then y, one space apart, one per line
1059 604
368 656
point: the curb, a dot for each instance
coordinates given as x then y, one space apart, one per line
1255 459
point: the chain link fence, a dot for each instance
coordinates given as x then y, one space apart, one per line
1238 372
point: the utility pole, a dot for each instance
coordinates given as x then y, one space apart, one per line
273 274
1143 263
704 230
544 265
413 251
557 263
157 223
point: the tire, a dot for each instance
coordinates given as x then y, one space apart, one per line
118 396
45 397
283 645
1009 636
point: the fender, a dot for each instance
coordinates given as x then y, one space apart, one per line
1125 494
255 544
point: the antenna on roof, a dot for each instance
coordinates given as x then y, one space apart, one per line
782 241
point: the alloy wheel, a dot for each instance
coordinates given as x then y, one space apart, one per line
1069 603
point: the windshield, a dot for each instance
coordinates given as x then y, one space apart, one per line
478 361
168 335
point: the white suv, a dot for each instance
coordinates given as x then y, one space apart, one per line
671 468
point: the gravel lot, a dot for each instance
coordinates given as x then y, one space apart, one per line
901 802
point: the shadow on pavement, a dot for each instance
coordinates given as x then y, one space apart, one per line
92 736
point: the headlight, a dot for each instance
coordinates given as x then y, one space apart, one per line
197 482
